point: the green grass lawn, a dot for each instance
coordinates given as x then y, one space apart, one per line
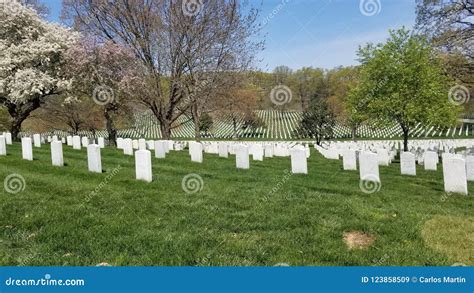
261 216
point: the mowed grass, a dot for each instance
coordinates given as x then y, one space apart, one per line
258 217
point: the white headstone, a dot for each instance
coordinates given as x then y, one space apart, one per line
242 157
470 168
143 165
213 148
150 145
299 164
269 150
223 150
195 149
454 174
27 148
142 144
160 149
57 153
37 140
85 141
408 163
69 140
369 167
128 146
257 153
8 137
119 143
349 160
170 146
332 154
101 142
94 161
63 140
279 150
383 157
431 161
135 144
76 142
3 146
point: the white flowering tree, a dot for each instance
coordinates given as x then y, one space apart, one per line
31 60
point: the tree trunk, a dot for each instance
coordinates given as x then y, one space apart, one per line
165 128
354 133
197 122
112 132
18 116
15 127
234 124
318 139
405 138
19 113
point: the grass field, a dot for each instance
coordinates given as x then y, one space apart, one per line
261 216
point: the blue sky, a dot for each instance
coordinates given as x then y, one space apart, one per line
319 33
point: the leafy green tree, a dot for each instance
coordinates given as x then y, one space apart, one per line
306 82
206 122
340 81
318 121
449 26
252 122
403 81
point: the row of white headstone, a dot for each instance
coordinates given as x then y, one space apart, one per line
143 161
457 169
57 158
258 151
298 153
